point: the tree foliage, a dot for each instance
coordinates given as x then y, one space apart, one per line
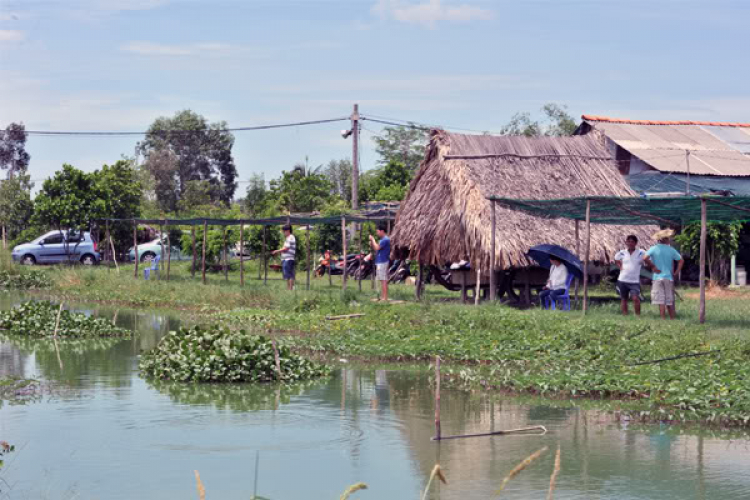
402 144
388 183
187 148
339 174
300 190
13 155
722 241
16 206
256 196
556 122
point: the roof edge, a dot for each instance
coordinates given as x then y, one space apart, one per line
607 119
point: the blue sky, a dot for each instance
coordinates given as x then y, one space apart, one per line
119 64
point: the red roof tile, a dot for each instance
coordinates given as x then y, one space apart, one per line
594 118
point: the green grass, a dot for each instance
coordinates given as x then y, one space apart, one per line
552 353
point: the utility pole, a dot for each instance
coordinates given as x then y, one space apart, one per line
355 157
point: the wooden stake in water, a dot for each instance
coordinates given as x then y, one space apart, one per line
54 336
437 398
276 357
555 472
255 483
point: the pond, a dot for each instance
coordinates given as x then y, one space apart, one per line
107 433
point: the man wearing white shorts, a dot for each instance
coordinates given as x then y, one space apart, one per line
661 258
382 249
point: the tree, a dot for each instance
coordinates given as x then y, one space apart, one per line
117 194
402 144
256 195
13 155
339 174
300 190
187 148
722 241
66 199
389 183
16 206
197 194
557 122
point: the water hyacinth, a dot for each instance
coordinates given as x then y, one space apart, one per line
217 354
39 318
23 281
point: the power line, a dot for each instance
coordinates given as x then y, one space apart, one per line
415 124
233 129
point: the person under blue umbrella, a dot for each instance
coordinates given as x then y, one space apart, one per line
557 281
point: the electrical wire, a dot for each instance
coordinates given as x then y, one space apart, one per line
233 129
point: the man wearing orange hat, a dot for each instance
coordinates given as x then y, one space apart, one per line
661 258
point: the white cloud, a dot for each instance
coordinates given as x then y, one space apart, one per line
430 12
11 36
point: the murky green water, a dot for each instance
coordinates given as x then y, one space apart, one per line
105 433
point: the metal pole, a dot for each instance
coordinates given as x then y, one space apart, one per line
343 240
355 157
702 306
307 245
135 247
586 260
203 259
242 252
493 291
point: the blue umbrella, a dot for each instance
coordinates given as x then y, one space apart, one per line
542 253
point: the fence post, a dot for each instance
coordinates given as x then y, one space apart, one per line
493 291
242 253
226 254
343 240
135 247
586 261
195 251
307 245
702 275
203 259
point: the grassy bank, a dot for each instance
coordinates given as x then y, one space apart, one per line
603 355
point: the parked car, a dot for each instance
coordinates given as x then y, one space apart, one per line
148 251
56 247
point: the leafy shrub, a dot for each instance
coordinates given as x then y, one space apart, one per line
38 319
216 354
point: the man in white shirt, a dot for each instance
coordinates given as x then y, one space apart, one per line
557 282
630 261
288 255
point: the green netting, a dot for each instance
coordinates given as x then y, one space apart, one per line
275 221
665 211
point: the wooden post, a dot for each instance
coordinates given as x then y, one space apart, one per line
479 286
169 252
114 256
330 267
106 247
361 258
578 254
203 259
343 241
242 252
309 260
493 291
702 275
586 259
161 246
437 398
420 278
265 256
135 247
195 251
260 263
226 256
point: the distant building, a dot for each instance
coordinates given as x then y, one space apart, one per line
676 157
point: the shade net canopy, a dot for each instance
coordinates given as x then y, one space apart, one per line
665 211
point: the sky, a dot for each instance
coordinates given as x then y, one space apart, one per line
466 65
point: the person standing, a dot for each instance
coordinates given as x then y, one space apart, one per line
630 261
382 249
288 255
556 284
661 258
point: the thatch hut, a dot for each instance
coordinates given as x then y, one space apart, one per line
446 216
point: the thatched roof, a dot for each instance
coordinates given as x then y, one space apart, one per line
446 216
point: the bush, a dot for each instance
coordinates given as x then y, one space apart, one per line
216 354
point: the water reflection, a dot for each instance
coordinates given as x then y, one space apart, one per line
316 438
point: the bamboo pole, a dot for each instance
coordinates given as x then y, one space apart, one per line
330 268
586 260
343 241
195 251
226 256
265 256
242 252
437 399
135 247
169 252
501 433
106 247
114 255
309 260
161 245
702 275
260 263
493 291
203 258
578 254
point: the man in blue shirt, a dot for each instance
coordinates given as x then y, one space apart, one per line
382 251
661 258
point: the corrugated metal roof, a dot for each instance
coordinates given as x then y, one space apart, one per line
716 148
